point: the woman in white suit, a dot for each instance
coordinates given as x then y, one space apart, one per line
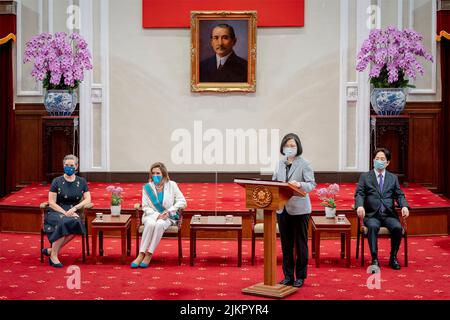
161 202
294 218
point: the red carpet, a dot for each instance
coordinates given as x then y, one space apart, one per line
213 197
215 275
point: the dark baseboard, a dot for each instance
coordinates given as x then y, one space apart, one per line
211 177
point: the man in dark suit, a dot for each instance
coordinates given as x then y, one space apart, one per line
374 199
225 65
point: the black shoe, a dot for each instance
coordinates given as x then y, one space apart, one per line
394 264
45 252
287 282
298 283
374 266
56 265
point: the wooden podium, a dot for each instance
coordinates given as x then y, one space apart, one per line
269 196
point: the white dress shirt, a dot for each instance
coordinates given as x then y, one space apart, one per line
222 60
383 173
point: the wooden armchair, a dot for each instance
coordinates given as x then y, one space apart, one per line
84 238
382 233
172 230
258 229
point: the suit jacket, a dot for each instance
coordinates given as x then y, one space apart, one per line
173 200
300 171
234 70
369 196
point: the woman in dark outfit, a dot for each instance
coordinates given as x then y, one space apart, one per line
68 193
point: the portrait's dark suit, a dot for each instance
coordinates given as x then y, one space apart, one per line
379 206
234 70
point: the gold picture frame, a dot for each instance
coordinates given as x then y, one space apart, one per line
223 45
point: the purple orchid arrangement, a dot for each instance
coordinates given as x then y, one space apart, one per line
392 53
116 195
59 60
328 195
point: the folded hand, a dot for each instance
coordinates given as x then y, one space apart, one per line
164 215
71 212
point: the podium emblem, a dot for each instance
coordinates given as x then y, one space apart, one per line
262 196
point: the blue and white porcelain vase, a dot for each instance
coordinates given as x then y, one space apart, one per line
388 101
60 102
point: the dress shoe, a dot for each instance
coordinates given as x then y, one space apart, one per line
374 266
45 252
287 282
143 265
55 265
134 265
298 283
393 262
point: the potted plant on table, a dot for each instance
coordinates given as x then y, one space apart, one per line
116 199
328 199
59 61
392 54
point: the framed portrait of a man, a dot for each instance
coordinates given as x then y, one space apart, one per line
223 51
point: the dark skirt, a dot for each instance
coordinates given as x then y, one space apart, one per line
58 225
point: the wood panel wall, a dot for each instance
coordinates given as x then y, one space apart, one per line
425 165
28 134
29 144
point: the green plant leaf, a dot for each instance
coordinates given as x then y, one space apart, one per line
382 81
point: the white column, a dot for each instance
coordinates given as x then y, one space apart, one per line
354 91
344 13
363 103
105 84
86 152
91 92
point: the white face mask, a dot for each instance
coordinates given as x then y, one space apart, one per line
289 152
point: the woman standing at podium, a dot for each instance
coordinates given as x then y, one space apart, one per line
293 219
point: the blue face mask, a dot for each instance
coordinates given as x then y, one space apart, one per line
69 170
379 164
156 179
289 152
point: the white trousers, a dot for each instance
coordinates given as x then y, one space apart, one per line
152 234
